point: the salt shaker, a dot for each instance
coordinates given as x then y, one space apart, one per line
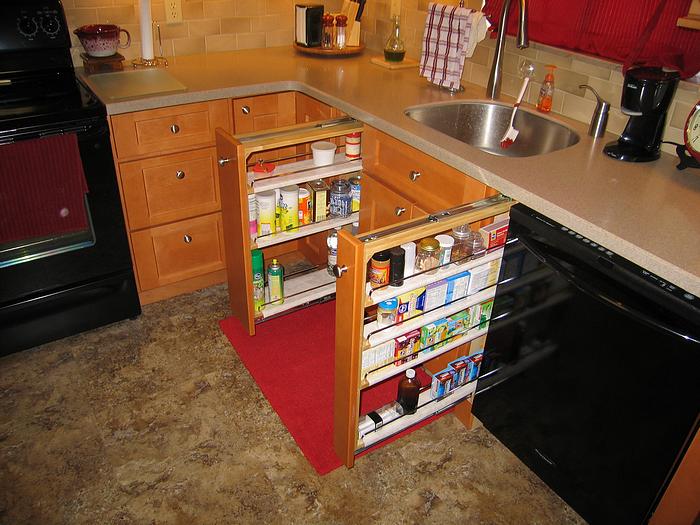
341 22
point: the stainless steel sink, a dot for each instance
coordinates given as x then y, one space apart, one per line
482 125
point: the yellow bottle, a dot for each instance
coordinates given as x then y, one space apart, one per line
544 102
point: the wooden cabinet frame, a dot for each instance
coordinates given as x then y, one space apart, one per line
354 254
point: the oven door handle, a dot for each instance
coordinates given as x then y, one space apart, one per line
585 281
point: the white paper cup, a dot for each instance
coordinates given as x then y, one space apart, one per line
323 153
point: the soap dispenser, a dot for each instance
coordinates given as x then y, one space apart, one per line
544 102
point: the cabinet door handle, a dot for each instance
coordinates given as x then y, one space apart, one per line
245 110
338 271
174 129
413 175
398 211
187 239
223 161
180 174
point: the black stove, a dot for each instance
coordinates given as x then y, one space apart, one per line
37 80
65 265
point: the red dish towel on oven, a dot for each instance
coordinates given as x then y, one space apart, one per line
445 44
42 188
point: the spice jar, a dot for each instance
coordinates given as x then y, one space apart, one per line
386 312
428 255
341 22
379 269
327 36
340 198
468 243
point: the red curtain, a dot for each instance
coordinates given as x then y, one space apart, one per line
611 29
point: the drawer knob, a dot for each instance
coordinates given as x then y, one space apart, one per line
413 175
398 211
174 129
223 161
245 110
187 238
338 271
180 174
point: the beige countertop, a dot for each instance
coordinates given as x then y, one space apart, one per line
646 212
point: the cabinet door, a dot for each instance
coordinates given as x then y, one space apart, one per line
170 187
382 206
262 113
422 179
178 251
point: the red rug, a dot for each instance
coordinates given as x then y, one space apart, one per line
292 360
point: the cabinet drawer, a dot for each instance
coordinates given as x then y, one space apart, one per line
264 112
169 188
169 129
424 180
171 253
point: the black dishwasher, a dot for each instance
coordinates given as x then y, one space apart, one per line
590 373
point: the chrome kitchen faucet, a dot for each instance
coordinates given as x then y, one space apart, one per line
493 88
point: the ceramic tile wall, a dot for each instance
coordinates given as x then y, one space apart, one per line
208 25
573 69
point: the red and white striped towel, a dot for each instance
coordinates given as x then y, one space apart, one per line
447 38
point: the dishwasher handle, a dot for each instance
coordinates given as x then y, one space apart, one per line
591 283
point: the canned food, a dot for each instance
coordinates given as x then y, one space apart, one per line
355 192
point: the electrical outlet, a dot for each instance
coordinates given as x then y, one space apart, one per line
173 11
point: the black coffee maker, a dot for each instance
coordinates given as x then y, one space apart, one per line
646 97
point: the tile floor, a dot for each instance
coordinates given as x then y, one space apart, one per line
156 421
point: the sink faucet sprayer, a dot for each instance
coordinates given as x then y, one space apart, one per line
493 88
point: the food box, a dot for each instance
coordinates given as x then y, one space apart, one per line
457 286
435 295
410 304
406 346
484 276
461 368
442 383
494 234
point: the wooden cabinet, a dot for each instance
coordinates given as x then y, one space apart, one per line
170 194
170 187
382 206
175 252
415 180
164 130
356 332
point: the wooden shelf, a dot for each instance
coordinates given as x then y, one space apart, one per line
386 371
375 337
301 172
301 290
303 231
376 296
427 407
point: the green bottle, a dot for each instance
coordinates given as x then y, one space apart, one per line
258 280
275 281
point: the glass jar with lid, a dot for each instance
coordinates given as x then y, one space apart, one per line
428 255
468 243
340 198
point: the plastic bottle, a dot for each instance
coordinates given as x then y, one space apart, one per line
409 389
275 282
544 102
332 243
258 280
